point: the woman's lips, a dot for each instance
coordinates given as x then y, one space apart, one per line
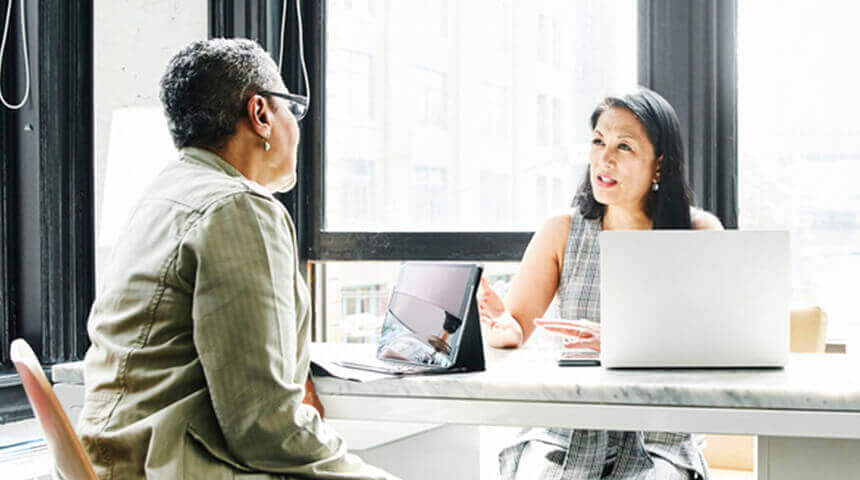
605 182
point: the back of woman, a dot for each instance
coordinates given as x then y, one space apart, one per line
200 333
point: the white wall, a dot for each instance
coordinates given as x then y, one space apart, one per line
133 41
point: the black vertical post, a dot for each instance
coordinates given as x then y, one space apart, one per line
688 54
65 185
47 260
8 139
306 200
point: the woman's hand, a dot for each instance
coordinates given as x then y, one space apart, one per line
576 333
489 302
503 330
311 397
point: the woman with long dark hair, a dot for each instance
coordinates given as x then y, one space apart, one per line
636 180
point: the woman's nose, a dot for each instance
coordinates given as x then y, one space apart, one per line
606 158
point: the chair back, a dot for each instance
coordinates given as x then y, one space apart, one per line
808 330
71 460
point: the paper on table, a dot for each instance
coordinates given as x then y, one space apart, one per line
321 368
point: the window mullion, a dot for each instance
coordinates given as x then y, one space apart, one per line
688 54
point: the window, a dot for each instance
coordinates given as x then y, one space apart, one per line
467 102
352 87
442 14
542 117
549 121
496 121
430 194
363 308
542 38
496 25
452 167
799 158
494 206
540 196
358 196
557 136
558 194
556 43
357 298
432 96
358 7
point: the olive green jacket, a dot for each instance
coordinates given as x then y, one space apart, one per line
200 337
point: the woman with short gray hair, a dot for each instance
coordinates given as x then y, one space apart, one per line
200 333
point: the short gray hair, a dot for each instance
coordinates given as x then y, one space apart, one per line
207 85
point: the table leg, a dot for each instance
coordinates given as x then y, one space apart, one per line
795 458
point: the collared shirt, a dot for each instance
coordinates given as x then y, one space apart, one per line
200 337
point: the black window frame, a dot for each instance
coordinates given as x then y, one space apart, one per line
47 260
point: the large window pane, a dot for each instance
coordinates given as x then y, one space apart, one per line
798 149
133 41
429 100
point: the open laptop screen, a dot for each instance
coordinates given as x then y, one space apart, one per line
426 312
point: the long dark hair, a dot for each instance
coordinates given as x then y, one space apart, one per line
669 207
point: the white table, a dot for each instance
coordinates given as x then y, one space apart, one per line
806 416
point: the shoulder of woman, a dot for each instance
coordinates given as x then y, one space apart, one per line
242 210
558 223
552 235
703 220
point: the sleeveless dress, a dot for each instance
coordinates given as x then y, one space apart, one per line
567 454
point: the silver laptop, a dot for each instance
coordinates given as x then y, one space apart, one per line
694 298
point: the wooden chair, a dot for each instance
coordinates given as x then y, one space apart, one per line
731 457
71 459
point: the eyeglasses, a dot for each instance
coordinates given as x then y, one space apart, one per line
298 103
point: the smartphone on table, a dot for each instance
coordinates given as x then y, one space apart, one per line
573 357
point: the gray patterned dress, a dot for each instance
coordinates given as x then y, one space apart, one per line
565 454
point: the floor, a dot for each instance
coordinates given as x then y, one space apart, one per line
22 455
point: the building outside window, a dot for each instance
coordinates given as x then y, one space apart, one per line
798 155
458 112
